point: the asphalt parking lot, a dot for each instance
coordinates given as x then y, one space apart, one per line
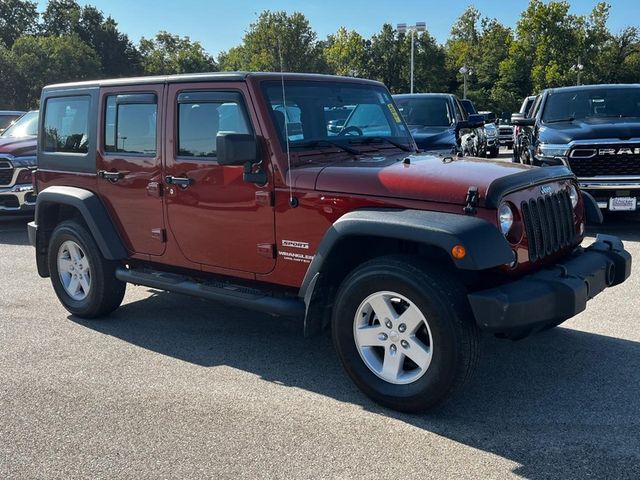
173 387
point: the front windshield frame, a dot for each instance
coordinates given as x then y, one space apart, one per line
16 130
623 103
326 111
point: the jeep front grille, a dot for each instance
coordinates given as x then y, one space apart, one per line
6 173
590 161
548 223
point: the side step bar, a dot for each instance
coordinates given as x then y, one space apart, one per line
249 298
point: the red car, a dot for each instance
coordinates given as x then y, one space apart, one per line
243 188
17 162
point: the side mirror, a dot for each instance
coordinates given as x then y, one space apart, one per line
523 121
476 120
236 148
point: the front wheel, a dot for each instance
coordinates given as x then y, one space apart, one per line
404 333
82 278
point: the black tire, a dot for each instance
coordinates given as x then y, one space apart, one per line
493 153
106 292
441 299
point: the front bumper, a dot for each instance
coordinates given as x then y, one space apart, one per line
17 199
605 188
548 297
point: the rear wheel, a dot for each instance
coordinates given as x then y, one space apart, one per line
404 333
82 278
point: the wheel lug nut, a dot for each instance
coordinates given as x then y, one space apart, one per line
393 348
388 323
402 328
383 336
404 344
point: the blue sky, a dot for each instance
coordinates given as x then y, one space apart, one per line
219 25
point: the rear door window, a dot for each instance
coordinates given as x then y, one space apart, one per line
130 124
66 124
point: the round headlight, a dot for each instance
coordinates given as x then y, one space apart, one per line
505 218
573 195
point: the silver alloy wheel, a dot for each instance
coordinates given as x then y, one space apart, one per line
393 337
74 270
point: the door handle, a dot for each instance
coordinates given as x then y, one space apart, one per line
111 176
183 182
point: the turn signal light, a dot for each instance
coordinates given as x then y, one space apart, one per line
458 252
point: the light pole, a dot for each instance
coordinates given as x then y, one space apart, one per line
418 27
465 71
578 67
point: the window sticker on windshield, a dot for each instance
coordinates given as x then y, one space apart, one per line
394 112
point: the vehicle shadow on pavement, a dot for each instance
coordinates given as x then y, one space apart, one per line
13 231
561 404
623 225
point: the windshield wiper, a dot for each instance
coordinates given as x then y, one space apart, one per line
315 143
368 140
560 120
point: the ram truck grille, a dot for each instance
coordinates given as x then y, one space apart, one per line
6 173
549 224
601 160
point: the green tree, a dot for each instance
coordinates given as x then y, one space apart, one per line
389 59
430 72
462 48
17 17
481 44
8 80
118 55
346 53
168 54
39 61
619 60
272 35
61 17
550 42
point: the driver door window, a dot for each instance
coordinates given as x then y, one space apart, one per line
201 116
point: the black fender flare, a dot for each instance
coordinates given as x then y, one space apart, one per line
592 212
485 245
93 213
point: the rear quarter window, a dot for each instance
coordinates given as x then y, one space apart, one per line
66 124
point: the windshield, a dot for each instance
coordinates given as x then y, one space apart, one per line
592 103
344 113
6 119
469 107
426 111
25 126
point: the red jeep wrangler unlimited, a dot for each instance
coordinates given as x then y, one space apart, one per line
303 195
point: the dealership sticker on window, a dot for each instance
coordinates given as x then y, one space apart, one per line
394 112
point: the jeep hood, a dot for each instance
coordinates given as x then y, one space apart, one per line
591 129
18 146
423 177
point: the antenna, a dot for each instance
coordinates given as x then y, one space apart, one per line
293 202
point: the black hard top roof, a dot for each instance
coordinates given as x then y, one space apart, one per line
422 95
205 77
